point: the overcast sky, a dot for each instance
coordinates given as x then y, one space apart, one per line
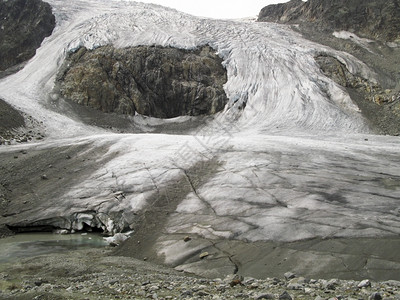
221 9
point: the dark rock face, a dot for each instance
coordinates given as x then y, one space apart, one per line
282 12
374 19
23 26
152 81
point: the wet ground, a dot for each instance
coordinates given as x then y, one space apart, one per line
27 245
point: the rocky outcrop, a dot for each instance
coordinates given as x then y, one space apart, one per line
282 12
382 107
23 26
337 71
149 80
374 19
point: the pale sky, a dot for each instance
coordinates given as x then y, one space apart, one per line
221 9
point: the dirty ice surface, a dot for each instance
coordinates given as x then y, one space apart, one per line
296 158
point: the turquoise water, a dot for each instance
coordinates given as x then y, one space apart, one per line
33 244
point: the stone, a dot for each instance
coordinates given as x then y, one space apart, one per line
308 290
299 280
234 279
203 255
249 280
161 82
201 287
375 296
289 275
276 281
265 296
235 282
187 293
202 294
331 284
39 282
364 283
393 283
285 296
294 286
239 296
113 281
154 288
253 286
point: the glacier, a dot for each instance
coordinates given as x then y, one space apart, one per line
294 158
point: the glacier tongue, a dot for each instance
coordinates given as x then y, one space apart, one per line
295 160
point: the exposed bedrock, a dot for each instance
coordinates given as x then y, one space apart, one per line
378 20
381 107
149 80
23 26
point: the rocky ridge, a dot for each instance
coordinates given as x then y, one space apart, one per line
381 107
378 20
153 81
23 26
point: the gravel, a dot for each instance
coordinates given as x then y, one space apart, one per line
93 274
